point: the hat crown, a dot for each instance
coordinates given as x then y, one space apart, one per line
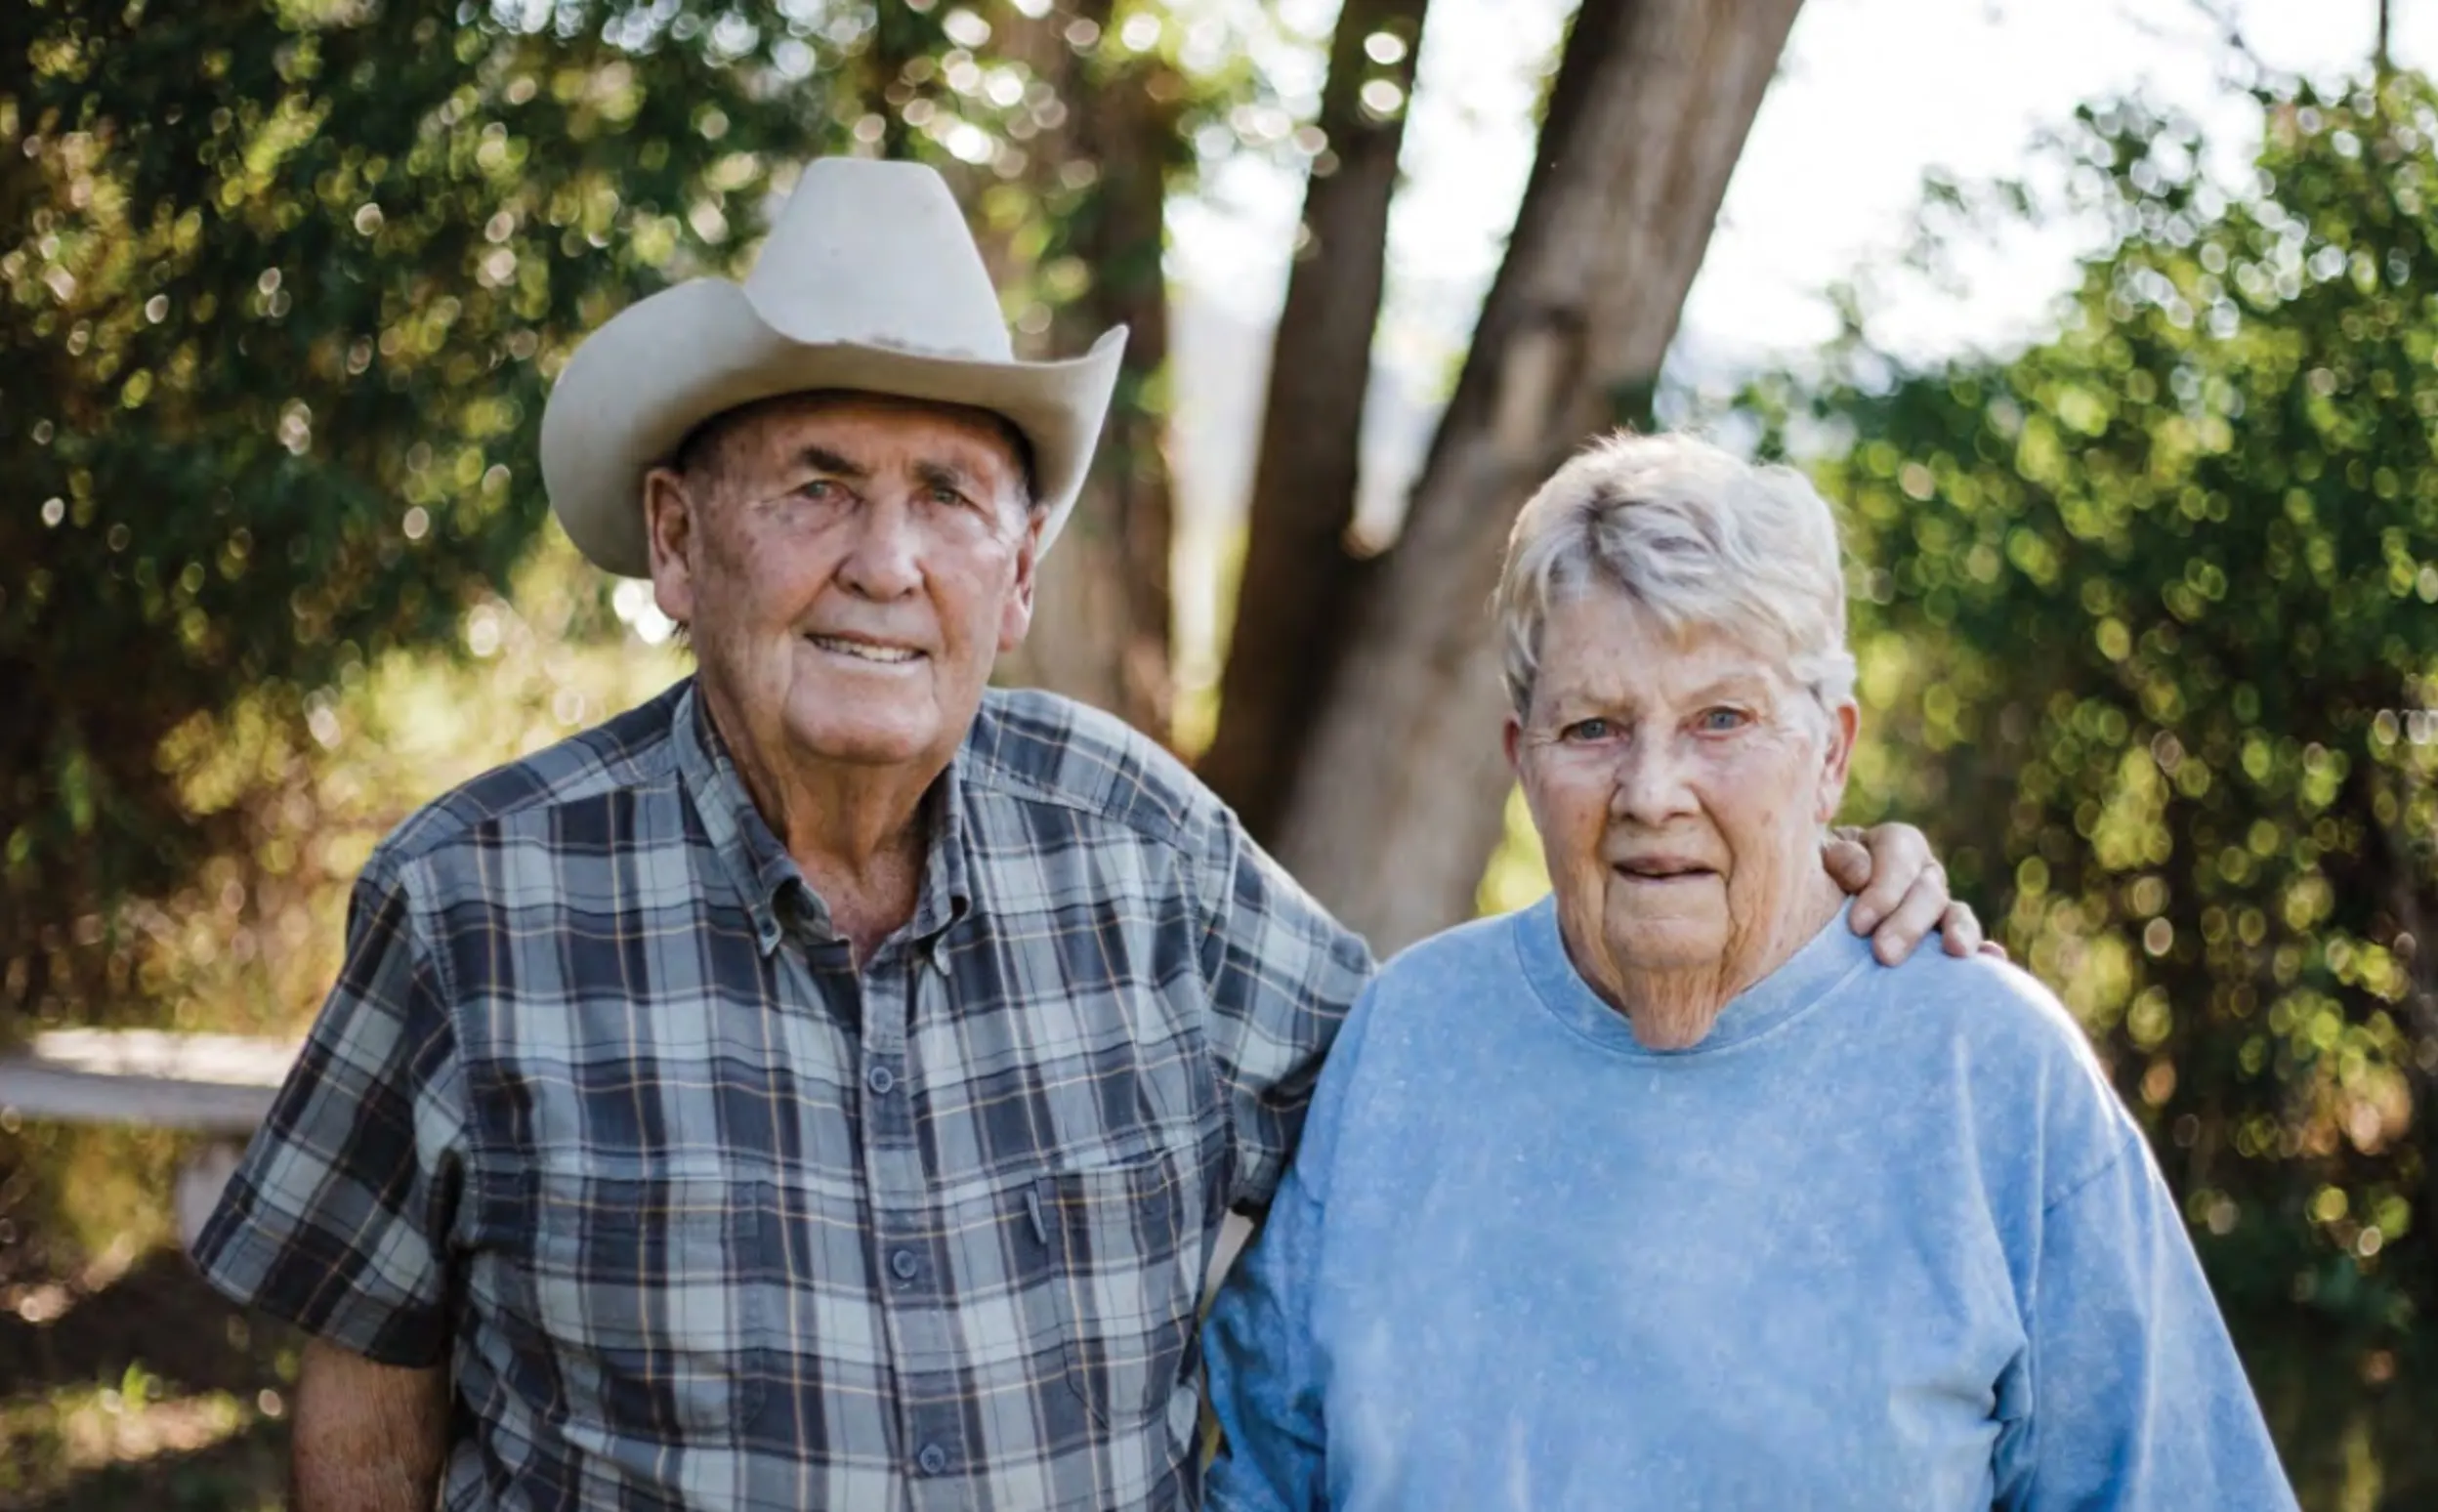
877 253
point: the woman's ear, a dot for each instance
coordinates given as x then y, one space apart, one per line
1845 722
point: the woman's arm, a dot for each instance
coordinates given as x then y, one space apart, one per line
1266 1385
2130 1395
1263 1388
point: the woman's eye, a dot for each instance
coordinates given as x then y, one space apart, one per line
1585 730
1721 721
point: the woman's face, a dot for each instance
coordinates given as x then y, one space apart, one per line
1679 783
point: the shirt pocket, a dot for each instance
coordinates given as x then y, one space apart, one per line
644 1291
1116 1236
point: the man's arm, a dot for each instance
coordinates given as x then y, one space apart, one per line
1281 975
368 1437
1900 892
339 1220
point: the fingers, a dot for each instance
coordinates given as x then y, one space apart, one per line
1995 950
1915 915
1900 855
1960 930
1847 862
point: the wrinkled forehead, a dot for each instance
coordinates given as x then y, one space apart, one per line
877 432
1599 646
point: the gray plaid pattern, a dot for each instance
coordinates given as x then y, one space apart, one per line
602 1114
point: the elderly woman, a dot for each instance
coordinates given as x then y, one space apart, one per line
1658 1194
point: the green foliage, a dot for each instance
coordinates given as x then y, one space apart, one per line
282 290
2147 640
278 313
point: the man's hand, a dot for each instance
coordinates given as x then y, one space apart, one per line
368 1437
1901 892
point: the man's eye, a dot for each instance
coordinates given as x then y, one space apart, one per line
1585 730
820 490
1720 721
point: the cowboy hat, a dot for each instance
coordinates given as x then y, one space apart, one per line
871 281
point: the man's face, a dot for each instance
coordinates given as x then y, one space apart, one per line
849 567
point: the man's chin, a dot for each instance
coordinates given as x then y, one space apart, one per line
864 743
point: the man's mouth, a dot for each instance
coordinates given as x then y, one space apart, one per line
866 650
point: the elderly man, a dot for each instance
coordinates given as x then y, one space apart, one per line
821 1086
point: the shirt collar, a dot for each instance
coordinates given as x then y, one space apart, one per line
768 878
1807 976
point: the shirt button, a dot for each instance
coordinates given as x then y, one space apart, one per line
905 1264
880 1079
933 1460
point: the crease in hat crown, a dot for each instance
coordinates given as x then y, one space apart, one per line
910 255
869 279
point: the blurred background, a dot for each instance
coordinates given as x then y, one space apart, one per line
2110 325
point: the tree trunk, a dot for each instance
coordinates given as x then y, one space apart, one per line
1298 574
1396 802
1100 616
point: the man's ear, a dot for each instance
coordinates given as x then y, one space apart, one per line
671 519
1016 618
1845 721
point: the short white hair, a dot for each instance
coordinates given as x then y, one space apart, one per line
1694 535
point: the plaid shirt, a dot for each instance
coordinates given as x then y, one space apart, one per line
603 1116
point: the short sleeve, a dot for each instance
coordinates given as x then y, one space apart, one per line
1281 975
2131 1396
337 1220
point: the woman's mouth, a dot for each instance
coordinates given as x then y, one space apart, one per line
1662 869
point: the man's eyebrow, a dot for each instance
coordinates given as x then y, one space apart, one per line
943 475
824 460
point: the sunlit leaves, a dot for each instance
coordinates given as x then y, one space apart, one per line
2146 634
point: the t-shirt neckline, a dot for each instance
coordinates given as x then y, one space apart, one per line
1807 977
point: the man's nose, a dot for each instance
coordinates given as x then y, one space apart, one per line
884 560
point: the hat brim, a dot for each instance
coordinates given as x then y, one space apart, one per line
664 365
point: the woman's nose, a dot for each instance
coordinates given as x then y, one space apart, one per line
1650 785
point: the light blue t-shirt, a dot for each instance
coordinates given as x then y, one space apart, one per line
1885 1240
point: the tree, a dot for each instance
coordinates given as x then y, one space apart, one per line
1393 803
288 292
1304 481
2146 639
281 303
1100 628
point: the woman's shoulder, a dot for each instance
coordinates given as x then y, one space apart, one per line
1476 948
1982 999
2026 1061
1446 987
